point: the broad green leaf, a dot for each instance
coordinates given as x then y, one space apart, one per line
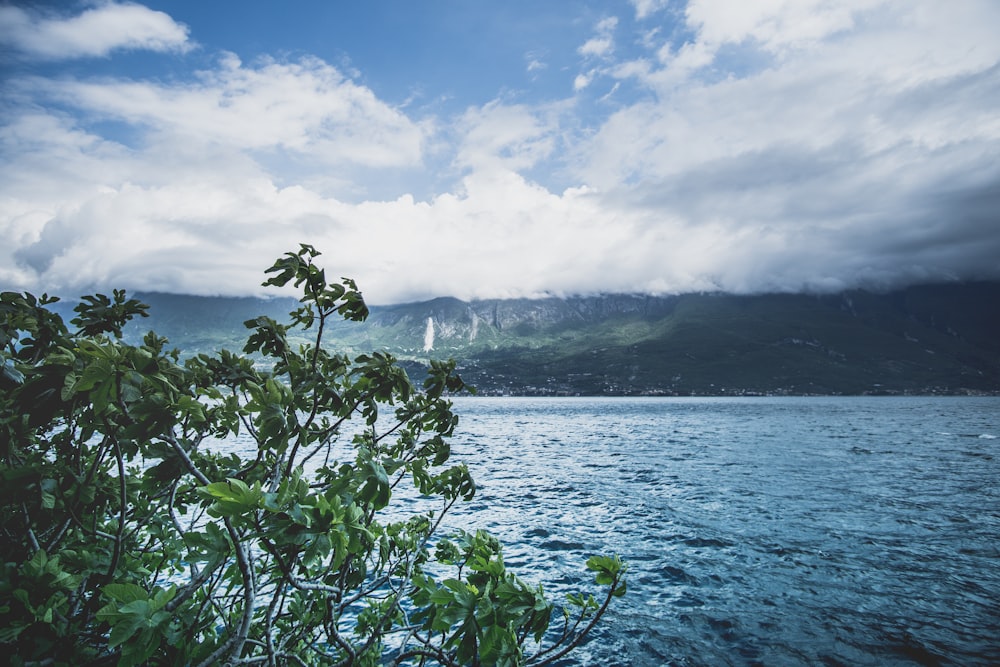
125 593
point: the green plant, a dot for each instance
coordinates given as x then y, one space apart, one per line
129 536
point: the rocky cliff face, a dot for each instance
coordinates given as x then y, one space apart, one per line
457 323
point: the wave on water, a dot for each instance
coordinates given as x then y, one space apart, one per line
755 533
773 531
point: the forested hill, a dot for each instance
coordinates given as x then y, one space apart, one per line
926 339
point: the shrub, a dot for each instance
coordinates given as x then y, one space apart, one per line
129 538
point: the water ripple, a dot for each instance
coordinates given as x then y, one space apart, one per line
849 531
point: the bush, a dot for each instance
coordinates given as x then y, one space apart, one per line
127 538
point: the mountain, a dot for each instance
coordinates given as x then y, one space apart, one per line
940 339
928 339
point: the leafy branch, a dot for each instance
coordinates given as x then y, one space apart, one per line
129 536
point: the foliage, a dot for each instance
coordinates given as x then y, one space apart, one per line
128 538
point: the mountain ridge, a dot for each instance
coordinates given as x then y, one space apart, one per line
925 339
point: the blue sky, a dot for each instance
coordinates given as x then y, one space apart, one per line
500 149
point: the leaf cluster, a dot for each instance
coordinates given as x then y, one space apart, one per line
130 534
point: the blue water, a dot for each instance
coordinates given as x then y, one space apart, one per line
760 531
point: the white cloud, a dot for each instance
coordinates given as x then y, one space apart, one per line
646 8
95 32
600 47
307 108
884 38
502 236
597 46
607 24
602 44
512 136
773 23
838 92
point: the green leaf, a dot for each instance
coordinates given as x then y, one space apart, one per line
124 630
608 569
125 593
233 497
49 488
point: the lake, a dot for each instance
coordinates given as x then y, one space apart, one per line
770 531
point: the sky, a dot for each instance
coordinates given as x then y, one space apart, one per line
500 149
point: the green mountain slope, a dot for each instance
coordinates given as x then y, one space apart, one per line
768 344
925 339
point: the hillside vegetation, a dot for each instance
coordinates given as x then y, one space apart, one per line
925 339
